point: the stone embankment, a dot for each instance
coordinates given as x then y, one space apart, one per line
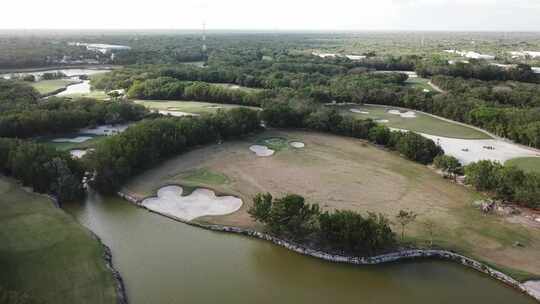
408 254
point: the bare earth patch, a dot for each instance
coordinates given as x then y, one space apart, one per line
346 173
201 202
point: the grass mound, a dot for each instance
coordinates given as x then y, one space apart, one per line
46 255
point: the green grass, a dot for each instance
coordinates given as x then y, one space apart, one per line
274 143
45 87
193 107
95 94
422 123
419 83
527 164
46 254
205 176
237 87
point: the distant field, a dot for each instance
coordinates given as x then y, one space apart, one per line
346 173
46 254
45 87
96 94
528 164
193 107
420 83
421 123
237 87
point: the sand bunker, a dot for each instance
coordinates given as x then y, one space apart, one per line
78 153
382 120
408 114
176 113
297 144
472 150
358 111
105 130
214 107
201 202
78 139
260 150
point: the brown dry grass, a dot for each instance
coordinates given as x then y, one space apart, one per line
346 173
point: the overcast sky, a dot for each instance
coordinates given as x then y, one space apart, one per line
500 15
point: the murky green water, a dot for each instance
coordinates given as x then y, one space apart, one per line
166 262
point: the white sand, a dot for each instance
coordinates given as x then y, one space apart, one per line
78 153
502 151
408 114
215 107
176 113
201 202
533 287
260 150
78 139
382 120
358 111
105 130
297 144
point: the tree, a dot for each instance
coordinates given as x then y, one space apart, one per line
429 225
404 218
262 205
448 164
483 175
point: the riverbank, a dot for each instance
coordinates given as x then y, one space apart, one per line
49 256
530 288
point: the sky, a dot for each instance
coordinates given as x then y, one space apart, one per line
348 15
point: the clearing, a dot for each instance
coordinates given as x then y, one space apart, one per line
422 123
192 107
528 164
46 254
346 173
46 87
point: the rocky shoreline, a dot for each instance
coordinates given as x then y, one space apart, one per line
408 254
120 287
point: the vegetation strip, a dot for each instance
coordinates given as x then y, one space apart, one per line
379 259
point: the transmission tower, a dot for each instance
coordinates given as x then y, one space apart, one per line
204 38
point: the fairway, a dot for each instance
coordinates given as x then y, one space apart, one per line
527 164
422 123
45 87
46 254
193 107
345 173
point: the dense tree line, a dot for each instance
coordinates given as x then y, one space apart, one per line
347 232
508 183
479 70
16 95
42 168
58 115
167 88
141 146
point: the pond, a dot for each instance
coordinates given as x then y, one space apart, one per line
164 261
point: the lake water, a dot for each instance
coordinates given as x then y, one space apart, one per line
163 261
